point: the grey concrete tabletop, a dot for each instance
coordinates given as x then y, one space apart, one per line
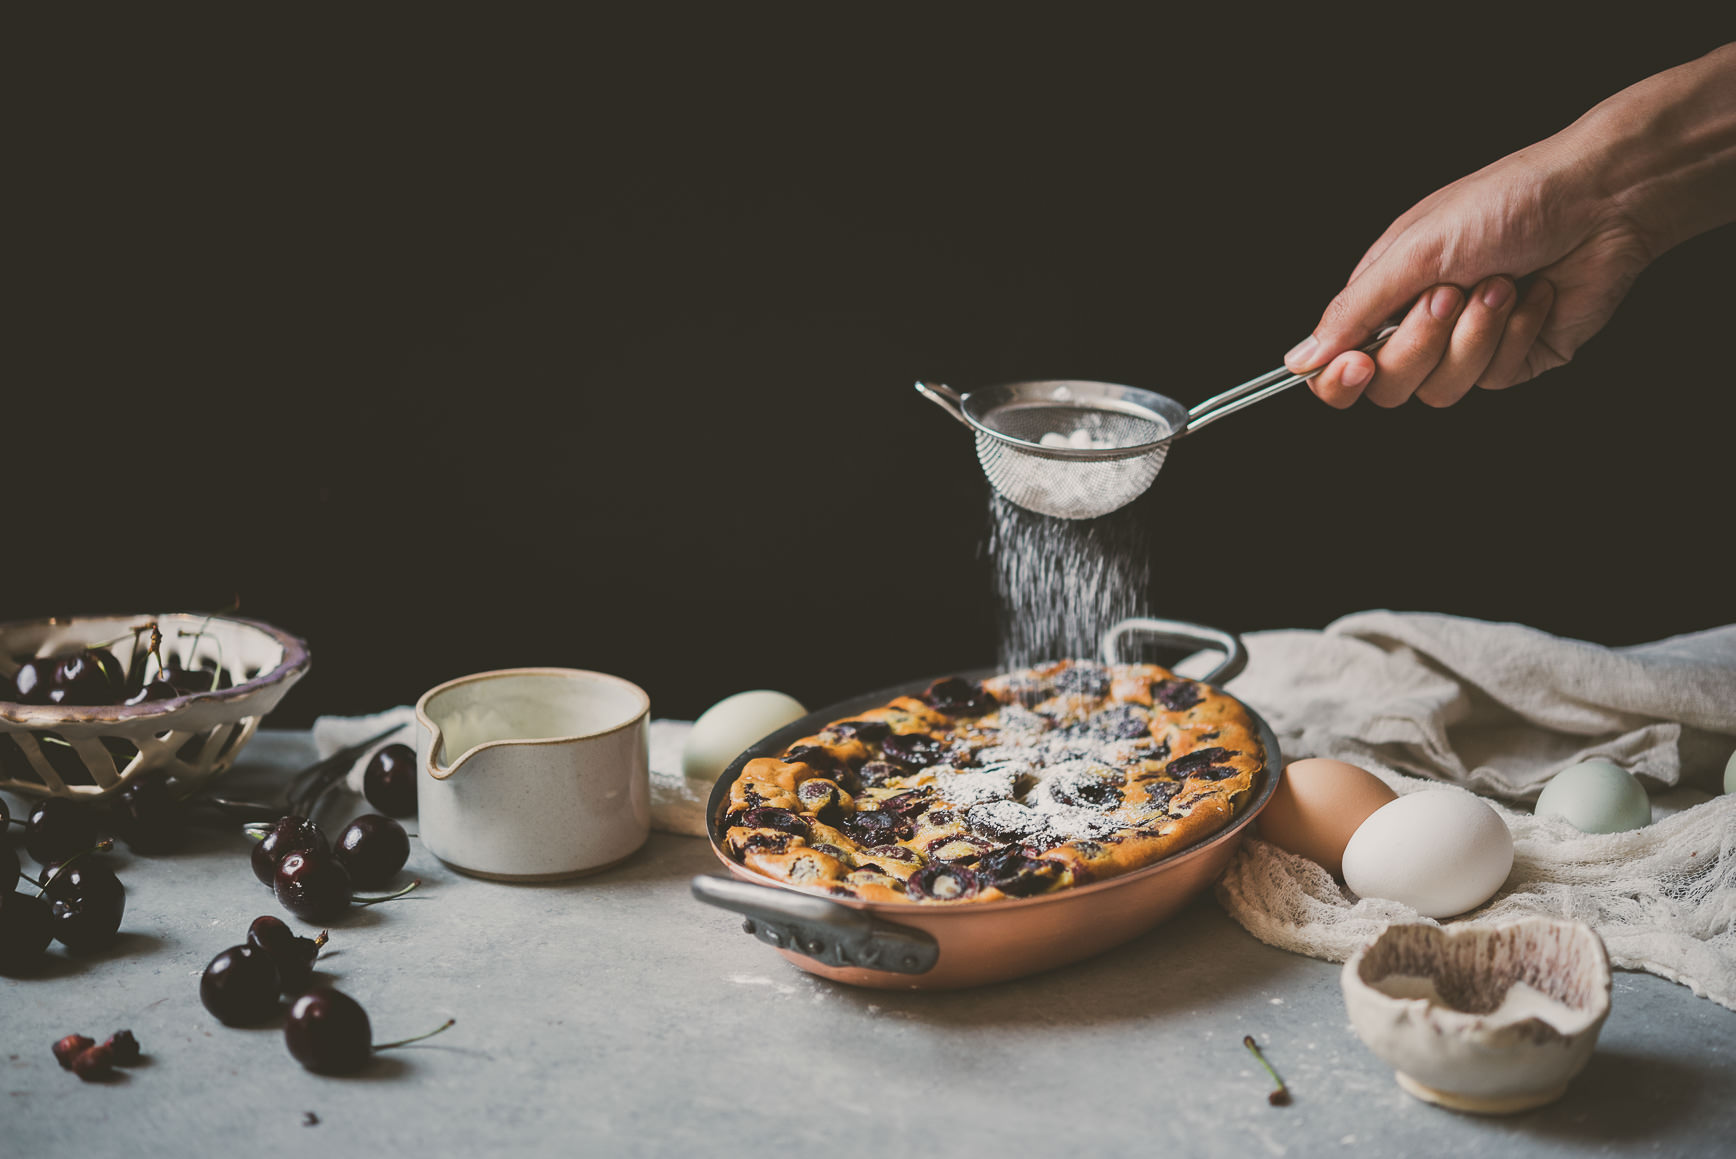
616 1016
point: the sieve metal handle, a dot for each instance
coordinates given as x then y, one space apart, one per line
1181 634
1264 387
946 398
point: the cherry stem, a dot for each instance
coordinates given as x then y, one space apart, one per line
103 846
1279 1097
134 634
447 1025
390 896
200 635
324 937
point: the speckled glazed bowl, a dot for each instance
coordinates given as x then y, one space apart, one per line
1483 1018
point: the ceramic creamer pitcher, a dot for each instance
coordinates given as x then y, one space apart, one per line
533 774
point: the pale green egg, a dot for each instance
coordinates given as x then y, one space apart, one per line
1730 774
1596 796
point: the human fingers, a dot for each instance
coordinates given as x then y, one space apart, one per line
1509 365
1383 288
1472 345
1416 348
1343 380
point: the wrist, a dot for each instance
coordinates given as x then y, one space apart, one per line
1663 152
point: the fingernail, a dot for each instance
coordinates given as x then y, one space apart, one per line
1497 294
1355 374
1302 352
1444 301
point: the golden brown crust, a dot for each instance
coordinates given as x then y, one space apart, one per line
1031 782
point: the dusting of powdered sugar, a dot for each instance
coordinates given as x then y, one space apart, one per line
978 786
1062 583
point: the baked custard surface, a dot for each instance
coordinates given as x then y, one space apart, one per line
1027 783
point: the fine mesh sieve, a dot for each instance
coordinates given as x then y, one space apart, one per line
1077 450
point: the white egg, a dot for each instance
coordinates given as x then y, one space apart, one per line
1441 852
729 727
1596 797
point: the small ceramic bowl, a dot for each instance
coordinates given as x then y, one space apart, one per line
533 774
91 752
1483 1018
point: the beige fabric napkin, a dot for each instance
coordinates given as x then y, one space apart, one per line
1499 708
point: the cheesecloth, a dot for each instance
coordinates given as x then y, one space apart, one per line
1418 699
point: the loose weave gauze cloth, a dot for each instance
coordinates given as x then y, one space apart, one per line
677 804
1419 699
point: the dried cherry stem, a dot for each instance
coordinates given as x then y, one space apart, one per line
324 937
103 846
447 1025
234 606
1279 1097
134 633
389 896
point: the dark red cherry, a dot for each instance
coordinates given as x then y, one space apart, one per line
328 1033
26 928
871 827
289 835
313 885
373 849
866 731
240 986
92 676
9 868
293 955
943 883
770 817
30 684
148 815
86 904
154 689
59 828
912 749
389 783
957 696
201 679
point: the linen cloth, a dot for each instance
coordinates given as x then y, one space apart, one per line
1420 699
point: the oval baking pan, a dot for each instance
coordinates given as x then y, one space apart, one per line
939 947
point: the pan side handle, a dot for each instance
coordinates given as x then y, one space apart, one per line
829 933
1181 634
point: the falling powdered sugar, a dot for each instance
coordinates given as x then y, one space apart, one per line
1062 583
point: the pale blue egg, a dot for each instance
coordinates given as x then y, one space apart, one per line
1596 797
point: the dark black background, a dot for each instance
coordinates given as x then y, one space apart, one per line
463 343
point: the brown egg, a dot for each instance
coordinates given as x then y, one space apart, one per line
1317 806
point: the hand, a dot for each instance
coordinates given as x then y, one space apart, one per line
1537 213
1509 271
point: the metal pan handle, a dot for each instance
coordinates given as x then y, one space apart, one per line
829 933
1181 634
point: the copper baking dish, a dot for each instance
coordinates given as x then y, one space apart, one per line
922 947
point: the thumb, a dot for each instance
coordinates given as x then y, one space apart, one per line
1374 294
